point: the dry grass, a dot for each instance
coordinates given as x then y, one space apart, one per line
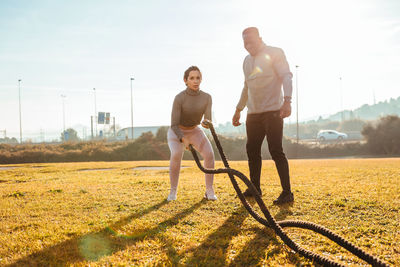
57 214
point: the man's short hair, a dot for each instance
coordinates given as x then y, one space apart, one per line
251 30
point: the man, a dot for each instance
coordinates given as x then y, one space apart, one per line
265 70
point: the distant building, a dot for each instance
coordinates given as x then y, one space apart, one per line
7 140
126 133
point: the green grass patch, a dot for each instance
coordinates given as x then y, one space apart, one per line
55 190
17 194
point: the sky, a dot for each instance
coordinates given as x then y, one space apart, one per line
347 53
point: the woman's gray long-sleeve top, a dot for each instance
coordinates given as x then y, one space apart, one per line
188 109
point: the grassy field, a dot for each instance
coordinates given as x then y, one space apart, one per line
107 213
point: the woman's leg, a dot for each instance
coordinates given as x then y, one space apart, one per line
176 148
203 145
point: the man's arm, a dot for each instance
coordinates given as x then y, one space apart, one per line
283 70
286 108
243 98
240 106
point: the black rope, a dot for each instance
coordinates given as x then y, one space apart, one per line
278 225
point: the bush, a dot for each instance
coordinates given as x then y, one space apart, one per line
384 138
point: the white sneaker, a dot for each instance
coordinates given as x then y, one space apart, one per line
209 195
171 196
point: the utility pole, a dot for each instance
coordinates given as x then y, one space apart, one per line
63 106
95 111
4 133
42 135
20 121
91 126
373 93
341 99
297 105
132 108
114 125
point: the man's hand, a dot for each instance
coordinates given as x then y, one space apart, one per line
285 110
236 118
185 143
204 123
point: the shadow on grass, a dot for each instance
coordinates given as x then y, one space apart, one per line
93 246
213 250
254 251
284 211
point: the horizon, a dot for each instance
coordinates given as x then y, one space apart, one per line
70 48
84 133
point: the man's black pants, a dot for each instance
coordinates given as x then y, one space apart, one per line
258 126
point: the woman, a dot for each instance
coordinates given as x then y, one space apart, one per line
188 109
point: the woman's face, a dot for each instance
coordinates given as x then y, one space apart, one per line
194 79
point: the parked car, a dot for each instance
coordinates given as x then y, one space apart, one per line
331 135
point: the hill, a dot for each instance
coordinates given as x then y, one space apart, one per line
370 112
352 123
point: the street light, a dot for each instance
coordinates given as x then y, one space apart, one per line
132 108
95 111
20 121
341 99
297 105
63 104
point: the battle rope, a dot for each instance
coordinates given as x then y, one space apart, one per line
278 225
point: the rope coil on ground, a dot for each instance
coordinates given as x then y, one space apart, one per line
278 225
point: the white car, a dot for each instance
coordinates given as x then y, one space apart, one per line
331 135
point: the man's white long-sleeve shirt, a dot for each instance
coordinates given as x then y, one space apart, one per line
265 73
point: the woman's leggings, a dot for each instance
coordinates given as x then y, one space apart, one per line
200 142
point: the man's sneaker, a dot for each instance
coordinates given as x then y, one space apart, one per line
285 197
249 193
172 195
210 195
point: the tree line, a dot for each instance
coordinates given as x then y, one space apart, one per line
382 138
